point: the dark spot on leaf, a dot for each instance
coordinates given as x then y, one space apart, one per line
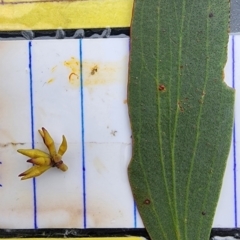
161 88
203 213
181 67
180 106
210 15
147 201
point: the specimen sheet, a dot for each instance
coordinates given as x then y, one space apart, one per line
79 88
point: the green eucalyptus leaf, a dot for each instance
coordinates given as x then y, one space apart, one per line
181 113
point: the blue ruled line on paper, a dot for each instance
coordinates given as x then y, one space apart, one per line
83 145
32 130
0 184
234 143
135 214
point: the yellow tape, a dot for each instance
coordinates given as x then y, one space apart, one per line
35 15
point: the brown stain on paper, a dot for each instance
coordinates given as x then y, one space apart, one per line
94 70
100 73
73 79
70 214
73 65
70 211
100 213
103 212
3 145
94 73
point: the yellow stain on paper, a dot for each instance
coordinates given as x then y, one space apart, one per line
50 80
74 14
74 66
94 73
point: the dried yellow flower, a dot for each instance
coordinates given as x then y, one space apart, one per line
43 161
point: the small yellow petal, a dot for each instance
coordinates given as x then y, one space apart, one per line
63 147
40 161
41 133
35 171
49 142
27 172
33 153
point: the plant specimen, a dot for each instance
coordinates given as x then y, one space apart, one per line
181 114
43 161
